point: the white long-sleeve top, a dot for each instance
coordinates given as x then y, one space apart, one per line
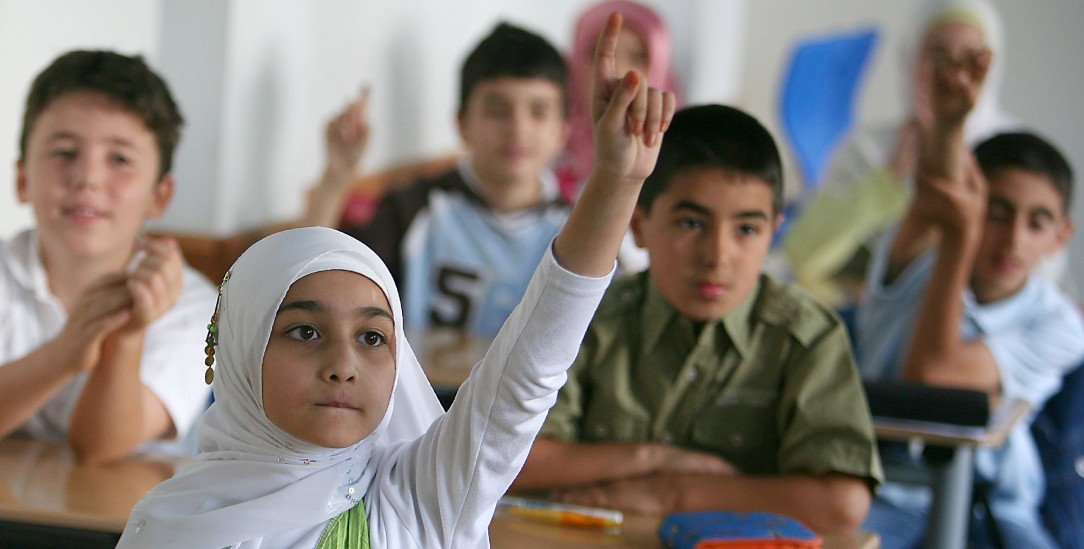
441 489
256 487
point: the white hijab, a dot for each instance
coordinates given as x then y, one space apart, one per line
987 118
254 482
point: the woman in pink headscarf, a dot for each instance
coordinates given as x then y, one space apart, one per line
644 45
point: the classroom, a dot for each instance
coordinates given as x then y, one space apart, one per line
261 84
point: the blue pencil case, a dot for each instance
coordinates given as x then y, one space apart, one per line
731 530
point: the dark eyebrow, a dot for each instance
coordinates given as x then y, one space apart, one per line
494 97
316 306
747 214
690 205
1008 205
752 214
373 312
310 306
65 134
62 134
1041 211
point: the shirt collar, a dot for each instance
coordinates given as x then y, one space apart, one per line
659 315
992 317
550 188
22 256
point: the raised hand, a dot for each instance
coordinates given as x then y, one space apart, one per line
628 115
957 207
904 156
346 137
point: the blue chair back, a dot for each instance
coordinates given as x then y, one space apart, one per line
816 103
818 94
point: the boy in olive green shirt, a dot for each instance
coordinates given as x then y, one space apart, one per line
703 384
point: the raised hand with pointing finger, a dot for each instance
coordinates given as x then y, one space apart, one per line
629 116
629 120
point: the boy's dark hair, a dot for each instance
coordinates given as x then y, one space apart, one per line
125 81
715 136
511 51
1029 152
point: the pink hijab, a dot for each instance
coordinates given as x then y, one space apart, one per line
575 164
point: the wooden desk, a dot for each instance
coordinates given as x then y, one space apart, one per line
447 355
47 500
507 532
951 481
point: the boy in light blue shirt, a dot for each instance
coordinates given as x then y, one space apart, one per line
952 301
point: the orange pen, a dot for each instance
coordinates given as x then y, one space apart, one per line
561 514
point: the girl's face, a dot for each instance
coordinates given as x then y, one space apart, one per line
329 367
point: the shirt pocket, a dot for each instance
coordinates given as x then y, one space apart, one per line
739 425
606 424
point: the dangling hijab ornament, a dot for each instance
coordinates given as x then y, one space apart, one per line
212 335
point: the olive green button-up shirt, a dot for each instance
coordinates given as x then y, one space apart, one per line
772 387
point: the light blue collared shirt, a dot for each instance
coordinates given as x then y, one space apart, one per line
1036 336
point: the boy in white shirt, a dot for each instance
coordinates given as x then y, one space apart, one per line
101 343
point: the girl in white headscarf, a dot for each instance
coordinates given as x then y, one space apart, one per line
324 431
868 184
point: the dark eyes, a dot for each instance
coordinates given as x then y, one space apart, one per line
71 153
693 223
303 333
690 223
537 112
66 154
306 332
1000 214
997 211
372 339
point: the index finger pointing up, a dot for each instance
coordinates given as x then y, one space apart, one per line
605 66
606 48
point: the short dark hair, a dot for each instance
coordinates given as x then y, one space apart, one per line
124 80
511 51
715 136
1029 152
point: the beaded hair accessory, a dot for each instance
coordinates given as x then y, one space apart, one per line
212 334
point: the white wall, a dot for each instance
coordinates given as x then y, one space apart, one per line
258 78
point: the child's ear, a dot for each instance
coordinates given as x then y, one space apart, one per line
160 196
461 125
778 222
20 182
637 226
1063 234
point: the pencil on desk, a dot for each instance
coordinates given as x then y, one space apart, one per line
561 514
